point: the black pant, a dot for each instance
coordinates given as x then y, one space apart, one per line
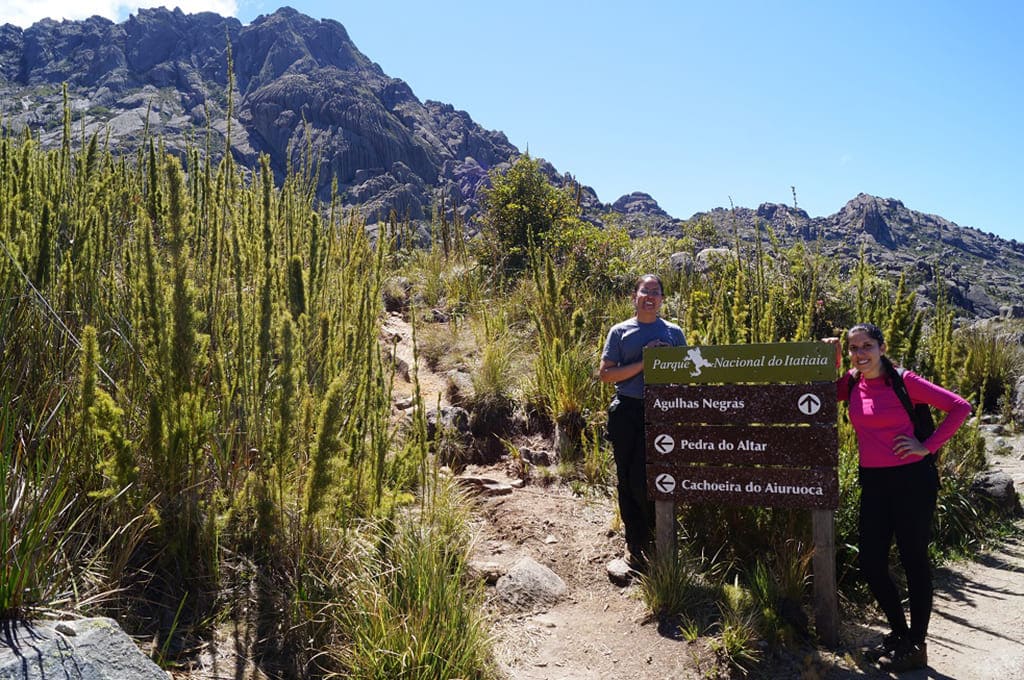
626 433
899 501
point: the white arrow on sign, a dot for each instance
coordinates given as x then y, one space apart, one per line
664 443
665 482
809 404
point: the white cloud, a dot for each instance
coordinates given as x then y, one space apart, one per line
24 14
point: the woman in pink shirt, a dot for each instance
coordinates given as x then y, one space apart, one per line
899 485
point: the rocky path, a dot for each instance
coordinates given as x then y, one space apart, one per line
599 630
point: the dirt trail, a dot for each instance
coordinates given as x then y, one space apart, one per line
601 631
977 628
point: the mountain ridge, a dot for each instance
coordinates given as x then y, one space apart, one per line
301 83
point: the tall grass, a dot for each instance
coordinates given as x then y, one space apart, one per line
962 521
565 390
680 585
414 613
992 360
43 552
494 383
195 356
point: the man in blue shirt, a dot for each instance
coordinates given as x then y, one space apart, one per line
622 364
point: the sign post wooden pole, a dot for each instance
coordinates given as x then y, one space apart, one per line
826 603
747 425
665 539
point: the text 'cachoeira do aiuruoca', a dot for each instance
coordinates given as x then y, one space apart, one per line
752 487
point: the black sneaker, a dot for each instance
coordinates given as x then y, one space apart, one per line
908 656
885 647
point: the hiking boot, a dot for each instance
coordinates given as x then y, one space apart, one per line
636 561
907 656
885 647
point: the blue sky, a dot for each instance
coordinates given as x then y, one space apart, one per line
700 104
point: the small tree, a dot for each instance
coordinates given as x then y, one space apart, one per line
518 210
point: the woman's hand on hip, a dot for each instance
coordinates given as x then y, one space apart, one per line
905 446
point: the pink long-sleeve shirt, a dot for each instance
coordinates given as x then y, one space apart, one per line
878 416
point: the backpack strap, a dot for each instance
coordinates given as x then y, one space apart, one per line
900 388
920 414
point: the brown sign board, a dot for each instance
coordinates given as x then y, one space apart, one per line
816 488
731 429
732 404
778 362
793 445
726 434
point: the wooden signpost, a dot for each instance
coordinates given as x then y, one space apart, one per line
747 425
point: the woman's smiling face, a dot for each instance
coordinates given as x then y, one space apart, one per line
865 353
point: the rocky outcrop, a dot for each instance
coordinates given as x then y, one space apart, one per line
638 202
299 83
865 215
88 649
981 274
995 489
1018 401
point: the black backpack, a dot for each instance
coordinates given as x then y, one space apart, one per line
920 414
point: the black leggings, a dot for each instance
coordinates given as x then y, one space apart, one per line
626 433
899 501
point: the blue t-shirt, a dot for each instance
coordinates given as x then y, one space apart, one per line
625 345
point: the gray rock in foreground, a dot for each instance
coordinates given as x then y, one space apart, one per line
89 649
530 585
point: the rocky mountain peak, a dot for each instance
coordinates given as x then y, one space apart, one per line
287 41
302 83
871 215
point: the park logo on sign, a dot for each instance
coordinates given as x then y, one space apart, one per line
695 359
